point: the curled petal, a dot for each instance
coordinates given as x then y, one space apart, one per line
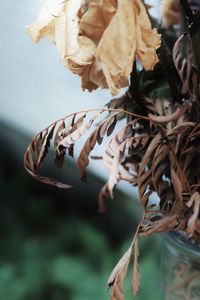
148 40
99 40
44 27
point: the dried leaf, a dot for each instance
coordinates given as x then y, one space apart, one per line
122 102
166 224
38 149
136 274
97 136
172 117
45 145
78 129
114 143
119 157
160 166
177 183
103 195
144 173
192 222
59 158
116 279
31 169
185 68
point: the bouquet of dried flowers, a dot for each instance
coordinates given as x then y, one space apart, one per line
113 44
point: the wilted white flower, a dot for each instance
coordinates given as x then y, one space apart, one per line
99 39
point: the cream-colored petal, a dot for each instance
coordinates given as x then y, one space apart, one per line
92 23
67 29
45 23
82 57
95 17
148 40
75 51
116 50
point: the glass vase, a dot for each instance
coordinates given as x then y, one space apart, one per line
181 268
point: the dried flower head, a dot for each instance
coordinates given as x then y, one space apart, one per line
99 40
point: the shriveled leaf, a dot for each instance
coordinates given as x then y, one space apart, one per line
182 127
122 102
166 224
97 136
185 68
31 169
103 195
119 157
144 173
45 145
178 190
172 117
78 129
59 134
192 222
136 274
59 159
116 279
150 150
120 268
113 145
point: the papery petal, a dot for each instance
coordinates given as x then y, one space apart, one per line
45 24
148 40
58 21
66 30
95 16
116 50
76 51
86 83
72 47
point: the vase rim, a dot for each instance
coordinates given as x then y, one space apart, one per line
179 241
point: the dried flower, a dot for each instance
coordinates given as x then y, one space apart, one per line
99 40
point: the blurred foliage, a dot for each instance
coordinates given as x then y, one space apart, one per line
52 252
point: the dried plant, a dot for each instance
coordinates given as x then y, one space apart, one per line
158 148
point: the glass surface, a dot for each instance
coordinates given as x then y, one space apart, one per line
181 268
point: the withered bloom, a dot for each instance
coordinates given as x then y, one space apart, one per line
99 40
157 148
